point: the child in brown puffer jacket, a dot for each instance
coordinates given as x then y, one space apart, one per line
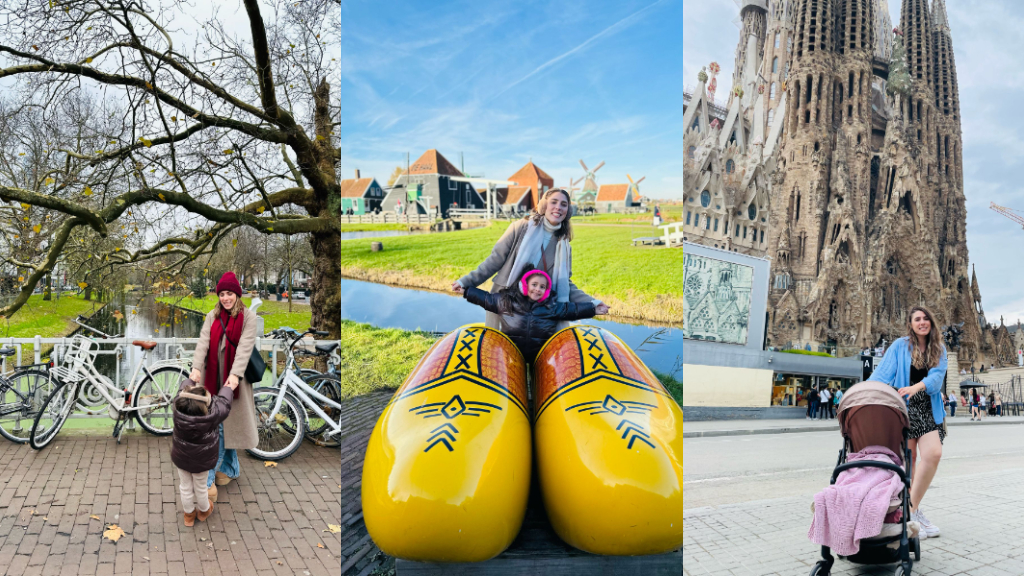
196 441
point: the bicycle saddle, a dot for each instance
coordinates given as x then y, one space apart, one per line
144 344
326 348
4 352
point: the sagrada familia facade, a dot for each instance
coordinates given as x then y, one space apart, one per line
839 157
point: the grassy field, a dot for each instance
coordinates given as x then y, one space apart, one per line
636 282
275 314
47 319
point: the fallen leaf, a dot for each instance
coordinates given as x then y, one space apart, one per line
94 517
270 464
113 533
319 545
334 528
202 539
118 315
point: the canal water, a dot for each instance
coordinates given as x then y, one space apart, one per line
411 309
377 234
144 319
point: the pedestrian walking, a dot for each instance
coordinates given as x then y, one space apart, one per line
975 403
837 398
196 438
823 400
812 404
999 404
981 406
952 404
916 366
222 355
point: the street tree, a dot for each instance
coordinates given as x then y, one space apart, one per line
210 125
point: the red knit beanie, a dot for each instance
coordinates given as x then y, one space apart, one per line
229 282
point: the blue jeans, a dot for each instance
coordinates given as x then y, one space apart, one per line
227 461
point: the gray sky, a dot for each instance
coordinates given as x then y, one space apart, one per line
990 70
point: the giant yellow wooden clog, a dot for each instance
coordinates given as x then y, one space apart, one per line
447 469
609 445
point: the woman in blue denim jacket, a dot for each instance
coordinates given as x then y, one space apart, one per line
916 366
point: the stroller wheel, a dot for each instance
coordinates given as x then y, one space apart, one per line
820 569
903 569
916 547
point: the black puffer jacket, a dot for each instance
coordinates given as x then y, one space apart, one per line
529 330
196 439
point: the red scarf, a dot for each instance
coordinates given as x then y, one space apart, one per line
212 382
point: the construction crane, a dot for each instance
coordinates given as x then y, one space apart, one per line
1008 212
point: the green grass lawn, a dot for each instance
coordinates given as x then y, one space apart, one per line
47 319
275 314
675 387
638 282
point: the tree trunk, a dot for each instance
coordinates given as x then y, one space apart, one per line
46 288
88 289
325 302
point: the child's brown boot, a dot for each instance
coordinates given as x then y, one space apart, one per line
204 515
190 518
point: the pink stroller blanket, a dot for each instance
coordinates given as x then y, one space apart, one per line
854 507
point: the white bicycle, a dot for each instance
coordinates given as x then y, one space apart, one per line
146 398
295 408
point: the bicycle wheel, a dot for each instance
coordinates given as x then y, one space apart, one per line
281 435
21 397
329 386
53 413
154 395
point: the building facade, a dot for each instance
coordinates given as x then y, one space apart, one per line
840 159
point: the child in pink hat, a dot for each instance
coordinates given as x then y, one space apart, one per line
529 313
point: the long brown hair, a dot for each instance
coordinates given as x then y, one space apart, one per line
538 213
930 356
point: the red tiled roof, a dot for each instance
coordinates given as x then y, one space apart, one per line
529 175
515 194
353 188
432 162
612 192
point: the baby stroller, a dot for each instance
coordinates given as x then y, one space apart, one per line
874 414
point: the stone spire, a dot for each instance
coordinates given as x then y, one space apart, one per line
940 23
917 36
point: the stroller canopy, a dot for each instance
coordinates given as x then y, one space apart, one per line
873 414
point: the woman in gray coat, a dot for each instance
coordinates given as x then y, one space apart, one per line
233 327
541 240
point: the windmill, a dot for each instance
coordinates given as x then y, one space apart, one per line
590 181
635 187
571 188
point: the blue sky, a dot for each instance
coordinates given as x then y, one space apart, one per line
990 70
503 82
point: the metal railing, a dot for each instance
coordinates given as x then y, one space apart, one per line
167 349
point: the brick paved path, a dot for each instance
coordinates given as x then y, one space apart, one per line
981 517
269 522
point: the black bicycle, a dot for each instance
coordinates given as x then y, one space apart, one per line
22 394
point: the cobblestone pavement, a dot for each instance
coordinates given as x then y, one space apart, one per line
56 504
980 516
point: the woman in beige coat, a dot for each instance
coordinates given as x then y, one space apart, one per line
542 240
229 323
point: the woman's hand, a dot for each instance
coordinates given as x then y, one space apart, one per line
457 288
232 382
195 375
909 391
601 309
